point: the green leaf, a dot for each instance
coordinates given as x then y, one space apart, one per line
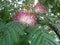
39 37
46 2
53 22
2 24
11 34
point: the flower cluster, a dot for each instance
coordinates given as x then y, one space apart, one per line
40 8
26 17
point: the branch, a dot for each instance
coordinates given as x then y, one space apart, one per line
54 29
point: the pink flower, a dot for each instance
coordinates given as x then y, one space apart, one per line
25 17
39 8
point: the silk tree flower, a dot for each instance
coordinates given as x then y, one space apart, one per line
40 8
25 17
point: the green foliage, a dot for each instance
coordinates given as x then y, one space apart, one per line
39 37
14 33
11 34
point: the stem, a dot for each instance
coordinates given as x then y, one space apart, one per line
54 29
